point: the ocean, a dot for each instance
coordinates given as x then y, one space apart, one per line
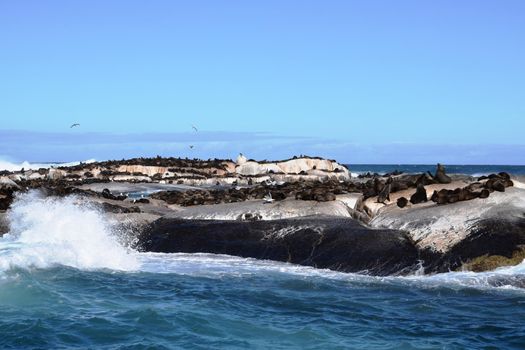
474 170
69 280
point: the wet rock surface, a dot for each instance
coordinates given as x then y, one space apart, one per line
323 242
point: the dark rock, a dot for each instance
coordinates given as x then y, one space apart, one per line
6 199
108 195
117 209
334 243
489 237
141 200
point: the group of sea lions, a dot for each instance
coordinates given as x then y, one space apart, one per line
494 182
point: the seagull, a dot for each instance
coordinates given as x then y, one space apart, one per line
73 125
191 146
268 198
194 128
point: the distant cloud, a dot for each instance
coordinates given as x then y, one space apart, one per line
19 145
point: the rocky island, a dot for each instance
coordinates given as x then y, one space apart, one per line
304 210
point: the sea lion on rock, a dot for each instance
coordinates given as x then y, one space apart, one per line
379 185
385 192
425 179
484 193
402 202
420 195
440 176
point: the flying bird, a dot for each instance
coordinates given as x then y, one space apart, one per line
194 128
191 146
73 125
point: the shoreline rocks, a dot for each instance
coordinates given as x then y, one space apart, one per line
323 242
454 230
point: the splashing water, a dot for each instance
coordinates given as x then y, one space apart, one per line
45 232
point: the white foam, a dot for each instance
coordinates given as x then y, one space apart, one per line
45 232
218 266
10 166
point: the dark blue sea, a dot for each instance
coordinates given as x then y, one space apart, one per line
68 280
474 170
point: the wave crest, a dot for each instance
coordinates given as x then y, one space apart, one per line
46 232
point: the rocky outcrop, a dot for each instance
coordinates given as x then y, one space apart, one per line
300 166
323 242
453 234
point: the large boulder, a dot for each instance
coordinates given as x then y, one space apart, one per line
453 234
323 242
308 166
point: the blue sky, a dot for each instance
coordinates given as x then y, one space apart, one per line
360 81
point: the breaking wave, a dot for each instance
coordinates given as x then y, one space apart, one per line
46 232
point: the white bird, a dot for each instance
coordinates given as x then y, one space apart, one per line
268 198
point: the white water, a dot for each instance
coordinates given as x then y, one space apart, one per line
10 166
47 232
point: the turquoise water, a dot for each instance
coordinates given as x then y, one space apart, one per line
205 301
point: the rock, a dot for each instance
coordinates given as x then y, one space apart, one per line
8 184
55 174
449 235
108 195
420 196
141 201
117 209
491 243
440 176
322 242
5 200
402 202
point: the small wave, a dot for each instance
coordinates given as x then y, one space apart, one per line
218 266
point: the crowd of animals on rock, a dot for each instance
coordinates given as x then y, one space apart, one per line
370 185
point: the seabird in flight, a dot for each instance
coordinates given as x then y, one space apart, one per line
194 128
73 125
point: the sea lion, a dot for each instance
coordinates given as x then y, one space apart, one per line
440 176
420 195
385 192
402 202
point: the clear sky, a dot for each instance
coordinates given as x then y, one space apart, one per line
382 78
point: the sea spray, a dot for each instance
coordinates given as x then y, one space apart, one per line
46 232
